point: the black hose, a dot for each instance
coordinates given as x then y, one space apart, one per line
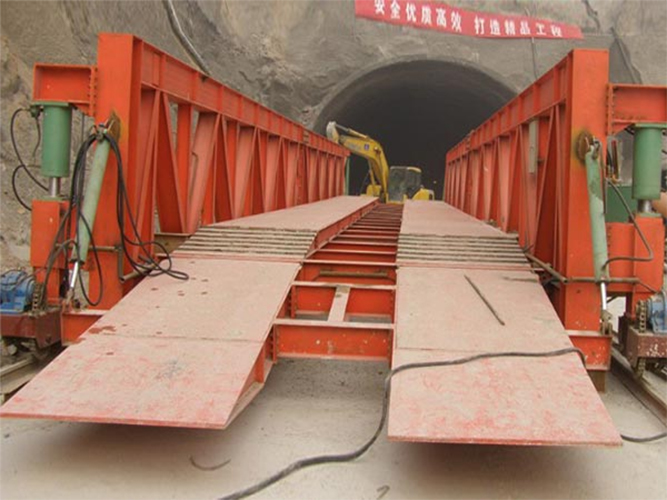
352 455
650 255
648 439
149 266
22 165
15 146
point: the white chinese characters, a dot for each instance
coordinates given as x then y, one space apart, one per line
524 28
441 17
426 15
435 15
479 25
456 21
395 9
411 12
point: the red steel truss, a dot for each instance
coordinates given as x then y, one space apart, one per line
194 151
519 170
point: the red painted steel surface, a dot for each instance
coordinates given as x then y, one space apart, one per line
596 347
193 353
170 353
314 216
333 340
630 104
440 315
194 151
441 219
342 306
500 401
287 234
46 217
519 169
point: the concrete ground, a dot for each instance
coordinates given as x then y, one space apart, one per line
313 407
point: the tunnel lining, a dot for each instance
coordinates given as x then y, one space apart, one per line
417 109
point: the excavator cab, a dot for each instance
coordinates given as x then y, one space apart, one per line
405 183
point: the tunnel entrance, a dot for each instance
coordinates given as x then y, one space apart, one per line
417 110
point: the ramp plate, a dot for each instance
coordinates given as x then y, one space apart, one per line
171 353
442 219
548 401
288 234
310 216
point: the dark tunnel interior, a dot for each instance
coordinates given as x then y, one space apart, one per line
417 110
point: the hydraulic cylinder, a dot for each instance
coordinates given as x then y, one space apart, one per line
89 207
646 156
598 223
56 143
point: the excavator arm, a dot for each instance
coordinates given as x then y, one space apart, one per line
366 147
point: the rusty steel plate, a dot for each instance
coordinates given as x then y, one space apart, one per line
171 353
543 401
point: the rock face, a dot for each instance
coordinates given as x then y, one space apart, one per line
417 92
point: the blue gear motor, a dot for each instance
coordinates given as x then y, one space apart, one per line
16 291
657 312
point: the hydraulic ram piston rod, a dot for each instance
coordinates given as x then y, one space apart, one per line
89 208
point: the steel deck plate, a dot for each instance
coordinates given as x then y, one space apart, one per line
313 216
548 401
171 353
441 219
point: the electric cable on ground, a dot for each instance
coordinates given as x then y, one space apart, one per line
648 439
352 455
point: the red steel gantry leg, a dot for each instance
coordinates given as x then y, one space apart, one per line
520 170
194 152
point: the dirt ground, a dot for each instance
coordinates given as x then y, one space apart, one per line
313 407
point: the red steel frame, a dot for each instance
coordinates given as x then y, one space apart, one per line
194 152
519 169
342 303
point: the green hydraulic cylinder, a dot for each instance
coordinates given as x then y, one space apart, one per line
91 199
347 176
646 156
57 136
598 222
89 208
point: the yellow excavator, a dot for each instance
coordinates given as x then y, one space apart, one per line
391 185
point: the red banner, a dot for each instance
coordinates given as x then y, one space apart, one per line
441 17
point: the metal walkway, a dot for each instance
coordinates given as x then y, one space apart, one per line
475 293
185 354
340 279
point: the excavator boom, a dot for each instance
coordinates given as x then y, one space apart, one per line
391 185
368 148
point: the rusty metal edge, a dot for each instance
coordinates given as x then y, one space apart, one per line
642 389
